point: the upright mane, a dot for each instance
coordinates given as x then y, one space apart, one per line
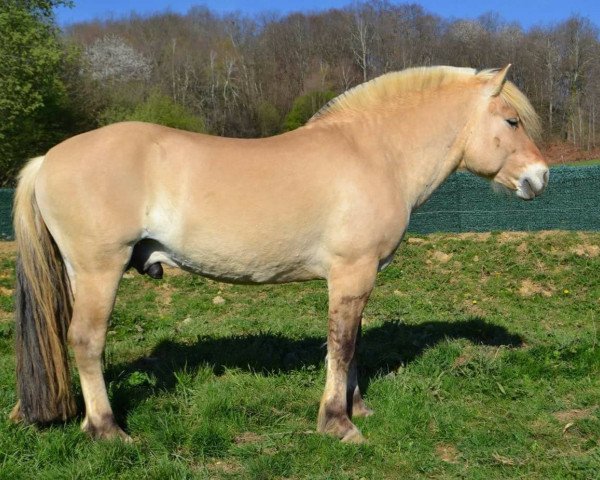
394 85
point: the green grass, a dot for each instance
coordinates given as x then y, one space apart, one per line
582 163
480 357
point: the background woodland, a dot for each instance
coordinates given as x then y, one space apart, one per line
256 76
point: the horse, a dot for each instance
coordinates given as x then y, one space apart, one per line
330 200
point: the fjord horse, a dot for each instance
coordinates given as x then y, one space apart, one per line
330 200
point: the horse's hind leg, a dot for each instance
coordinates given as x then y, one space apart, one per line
349 289
95 293
356 404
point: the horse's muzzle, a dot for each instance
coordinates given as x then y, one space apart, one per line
533 182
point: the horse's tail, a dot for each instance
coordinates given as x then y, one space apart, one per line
43 306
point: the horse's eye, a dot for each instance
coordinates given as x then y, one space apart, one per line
513 122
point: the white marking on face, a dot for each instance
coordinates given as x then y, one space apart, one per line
533 181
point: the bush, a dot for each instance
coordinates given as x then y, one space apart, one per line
158 109
268 118
305 107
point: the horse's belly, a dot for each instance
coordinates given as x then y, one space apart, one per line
249 240
238 267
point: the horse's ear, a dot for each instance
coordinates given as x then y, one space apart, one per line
497 81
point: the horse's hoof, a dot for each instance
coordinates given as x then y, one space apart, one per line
115 433
107 429
124 437
361 410
353 436
339 426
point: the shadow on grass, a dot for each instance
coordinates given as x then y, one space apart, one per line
382 349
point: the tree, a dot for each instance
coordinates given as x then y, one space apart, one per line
268 118
156 109
240 74
32 100
111 59
305 107
362 33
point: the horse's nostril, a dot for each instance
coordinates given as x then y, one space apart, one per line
527 186
546 177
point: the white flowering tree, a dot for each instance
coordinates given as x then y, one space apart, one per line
112 59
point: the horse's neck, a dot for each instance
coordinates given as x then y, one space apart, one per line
426 169
426 145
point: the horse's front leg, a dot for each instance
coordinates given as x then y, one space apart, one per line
349 288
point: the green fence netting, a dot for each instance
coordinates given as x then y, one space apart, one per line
6 201
466 203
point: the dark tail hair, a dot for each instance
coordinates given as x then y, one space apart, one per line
43 307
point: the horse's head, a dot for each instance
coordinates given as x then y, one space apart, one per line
499 143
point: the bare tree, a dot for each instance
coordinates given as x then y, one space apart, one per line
243 73
361 35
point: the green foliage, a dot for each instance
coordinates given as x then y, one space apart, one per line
268 118
41 9
305 107
32 97
158 109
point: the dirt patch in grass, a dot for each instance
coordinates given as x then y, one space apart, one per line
543 234
473 236
6 291
462 359
164 296
441 257
447 452
174 271
415 241
8 248
529 288
472 308
567 416
248 437
509 237
228 467
586 250
587 237
522 248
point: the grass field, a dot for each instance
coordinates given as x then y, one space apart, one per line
480 356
